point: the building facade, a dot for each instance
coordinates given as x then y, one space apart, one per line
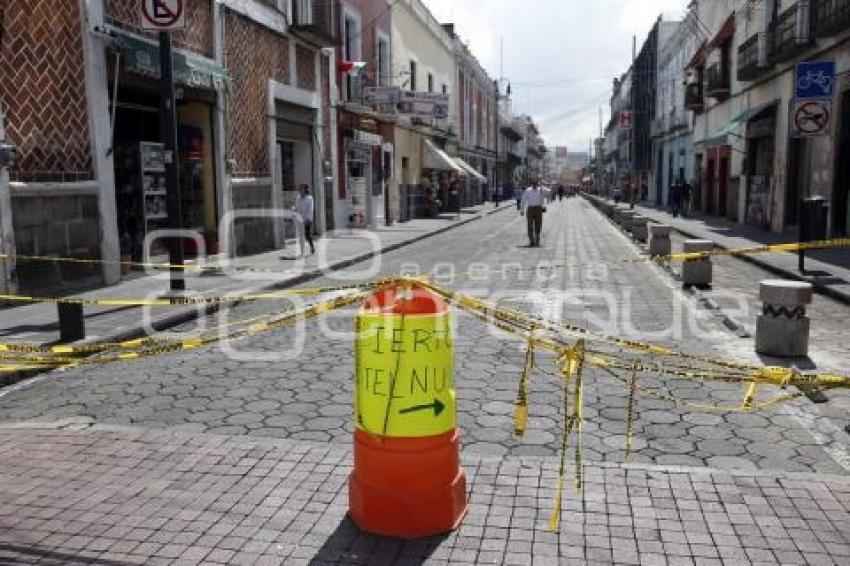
510 161
365 134
253 88
477 119
672 125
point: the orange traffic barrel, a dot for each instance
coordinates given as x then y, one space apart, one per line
407 481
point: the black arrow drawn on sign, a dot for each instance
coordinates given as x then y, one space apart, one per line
437 405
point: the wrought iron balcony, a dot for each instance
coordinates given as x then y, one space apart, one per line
717 81
314 22
750 64
677 120
658 126
694 99
830 16
788 41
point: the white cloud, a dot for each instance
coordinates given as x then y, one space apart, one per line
560 55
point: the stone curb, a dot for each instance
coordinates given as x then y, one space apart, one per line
825 290
189 314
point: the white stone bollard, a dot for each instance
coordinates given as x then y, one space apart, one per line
783 327
639 227
659 240
697 272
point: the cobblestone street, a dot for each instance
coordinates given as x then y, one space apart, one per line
211 441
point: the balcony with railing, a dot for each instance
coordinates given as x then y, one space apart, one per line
314 22
658 126
830 16
789 38
694 98
717 81
750 63
677 120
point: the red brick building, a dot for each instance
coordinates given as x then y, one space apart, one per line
79 92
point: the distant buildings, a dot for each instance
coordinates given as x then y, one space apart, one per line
724 117
384 112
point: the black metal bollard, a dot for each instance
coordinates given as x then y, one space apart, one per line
72 322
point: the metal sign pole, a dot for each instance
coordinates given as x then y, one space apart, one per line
7 233
172 170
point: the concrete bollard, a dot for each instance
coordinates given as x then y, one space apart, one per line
697 272
783 327
625 219
639 228
659 240
72 322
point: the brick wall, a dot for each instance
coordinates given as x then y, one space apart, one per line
42 89
253 55
305 67
196 37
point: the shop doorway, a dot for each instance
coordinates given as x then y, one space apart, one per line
139 161
841 189
358 170
659 179
723 186
793 188
710 173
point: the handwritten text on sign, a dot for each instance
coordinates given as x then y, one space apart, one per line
405 375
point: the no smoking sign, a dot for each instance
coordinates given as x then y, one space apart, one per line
163 15
811 118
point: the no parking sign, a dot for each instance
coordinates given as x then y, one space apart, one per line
163 15
811 118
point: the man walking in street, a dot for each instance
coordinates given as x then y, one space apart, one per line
532 203
304 209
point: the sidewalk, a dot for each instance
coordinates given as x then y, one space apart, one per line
828 270
80 494
38 323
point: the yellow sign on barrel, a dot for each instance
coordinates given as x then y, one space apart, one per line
405 375
407 481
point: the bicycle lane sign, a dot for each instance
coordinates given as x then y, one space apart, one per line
814 80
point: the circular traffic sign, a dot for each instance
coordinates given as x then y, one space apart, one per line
162 13
812 117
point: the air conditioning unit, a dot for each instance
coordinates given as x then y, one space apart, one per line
302 12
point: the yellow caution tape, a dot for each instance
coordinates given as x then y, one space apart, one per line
630 412
185 301
696 256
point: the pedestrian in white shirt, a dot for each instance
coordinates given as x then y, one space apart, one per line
304 209
533 200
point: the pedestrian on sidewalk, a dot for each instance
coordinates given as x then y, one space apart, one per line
532 207
676 198
304 209
687 191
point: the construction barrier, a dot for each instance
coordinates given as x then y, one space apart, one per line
407 481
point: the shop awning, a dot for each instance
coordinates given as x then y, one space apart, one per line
473 172
721 137
141 57
435 158
725 33
700 55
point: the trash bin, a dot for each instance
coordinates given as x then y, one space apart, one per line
814 218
